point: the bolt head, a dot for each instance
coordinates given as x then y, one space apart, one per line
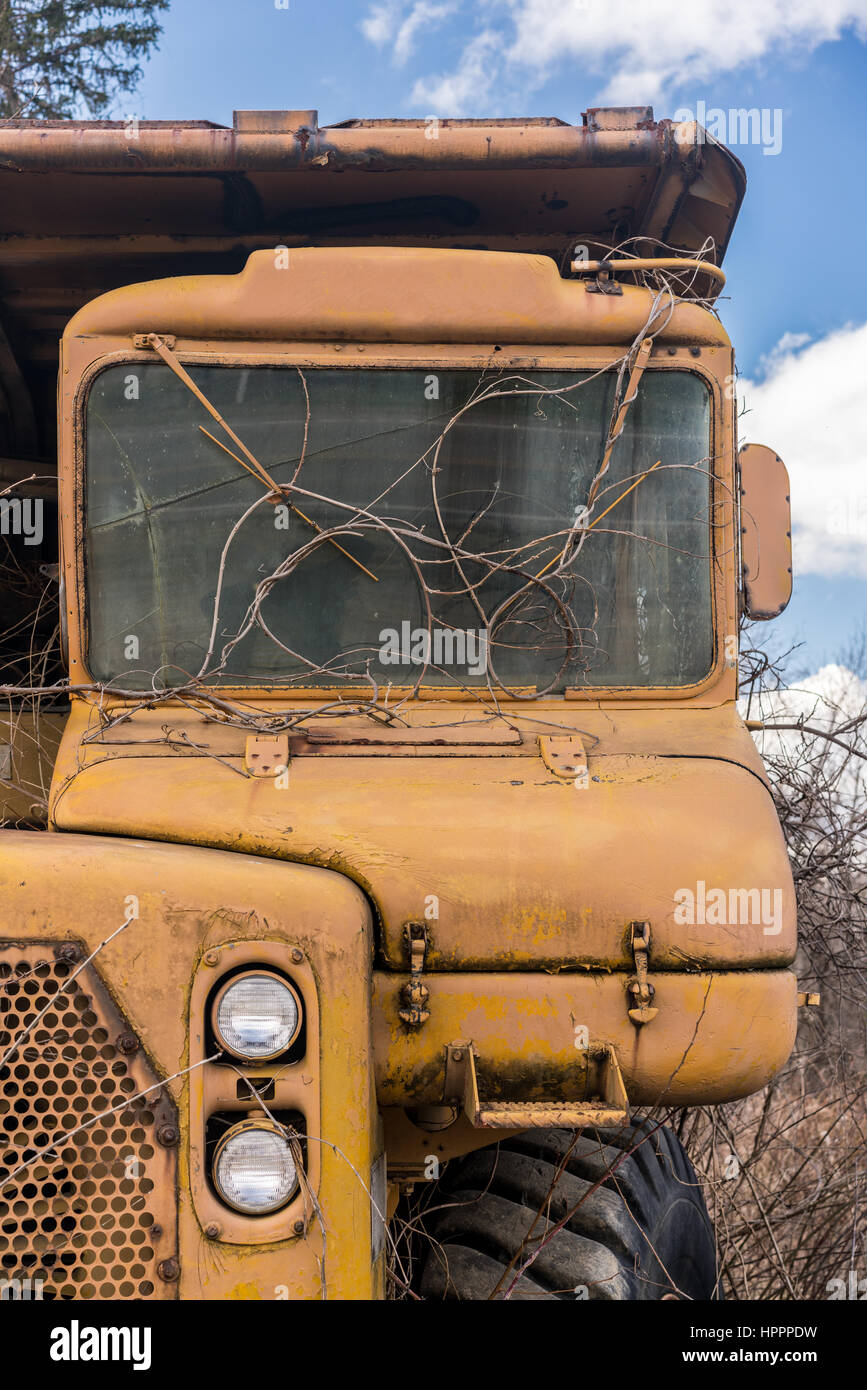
298 1228
213 1229
127 1043
211 957
167 1135
297 956
67 952
457 1054
169 1269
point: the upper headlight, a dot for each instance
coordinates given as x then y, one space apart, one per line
256 1016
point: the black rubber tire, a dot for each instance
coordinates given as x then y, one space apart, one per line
644 1233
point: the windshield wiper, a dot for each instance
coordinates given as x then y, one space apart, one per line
161 347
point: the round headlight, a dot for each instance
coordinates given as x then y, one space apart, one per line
256 1016
254 1170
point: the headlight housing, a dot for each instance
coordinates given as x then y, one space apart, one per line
254 1170
256 1015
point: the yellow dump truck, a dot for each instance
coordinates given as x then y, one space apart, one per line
403 834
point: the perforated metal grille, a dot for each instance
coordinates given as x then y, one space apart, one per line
87 1192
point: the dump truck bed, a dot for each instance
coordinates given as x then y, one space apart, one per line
87 206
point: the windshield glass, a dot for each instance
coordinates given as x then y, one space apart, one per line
454 527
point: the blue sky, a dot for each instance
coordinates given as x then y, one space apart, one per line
797 311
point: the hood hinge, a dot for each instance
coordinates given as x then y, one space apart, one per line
565 756
266 755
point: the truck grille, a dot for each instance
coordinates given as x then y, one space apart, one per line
87 1190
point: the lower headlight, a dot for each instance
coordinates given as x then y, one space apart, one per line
254 1170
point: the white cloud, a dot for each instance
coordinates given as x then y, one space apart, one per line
400 24
652 51
789 343
469 86
809 407
379 23
641 54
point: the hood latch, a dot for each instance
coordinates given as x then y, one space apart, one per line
414 995
639 988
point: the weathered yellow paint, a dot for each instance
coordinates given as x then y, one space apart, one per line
72 887
524 1031
551 876
390 295
535 881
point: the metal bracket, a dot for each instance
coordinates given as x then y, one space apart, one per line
145 340
639 987
604 282
266 755
607 1103
414 995
564 755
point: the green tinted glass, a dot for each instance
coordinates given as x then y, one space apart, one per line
466 487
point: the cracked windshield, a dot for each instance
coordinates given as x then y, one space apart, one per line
397 527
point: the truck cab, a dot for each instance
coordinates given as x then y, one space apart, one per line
402 817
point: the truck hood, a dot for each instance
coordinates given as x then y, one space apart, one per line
459 823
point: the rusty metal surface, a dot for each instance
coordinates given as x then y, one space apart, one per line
719 1035
86 206
598 1094
192 902
766 531
540 892
553 873
389 295
88 1202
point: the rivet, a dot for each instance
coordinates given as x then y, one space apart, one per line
167 1135
69 952
457 1054
127 1043
298 1228
213 1230
168 1269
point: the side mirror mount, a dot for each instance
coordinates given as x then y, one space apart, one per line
766 532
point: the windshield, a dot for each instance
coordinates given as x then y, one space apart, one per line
454 527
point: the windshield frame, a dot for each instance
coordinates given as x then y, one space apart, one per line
306 355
